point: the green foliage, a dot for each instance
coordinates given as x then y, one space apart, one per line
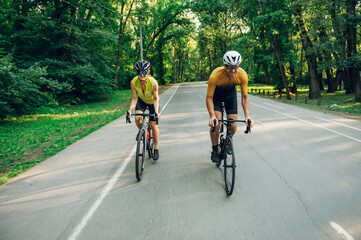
23 90
66 52
55 56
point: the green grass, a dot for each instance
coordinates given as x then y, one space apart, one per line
28 140
345 102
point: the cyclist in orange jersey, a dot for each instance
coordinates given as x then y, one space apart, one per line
222 88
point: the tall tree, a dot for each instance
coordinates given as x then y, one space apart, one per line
314 85
165 13
122 25
354 70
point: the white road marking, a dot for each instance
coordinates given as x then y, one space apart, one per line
97 203
338 123
341 231
274 105
165 105
341 134
106 190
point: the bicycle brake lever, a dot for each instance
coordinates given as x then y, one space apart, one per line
248 130
127 118
214 123
156 118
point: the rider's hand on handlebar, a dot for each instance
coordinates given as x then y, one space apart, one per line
211 122
252 123
127 116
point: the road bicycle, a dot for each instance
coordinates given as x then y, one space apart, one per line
226 152
144 143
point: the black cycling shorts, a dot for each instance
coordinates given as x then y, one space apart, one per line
229 97
142 106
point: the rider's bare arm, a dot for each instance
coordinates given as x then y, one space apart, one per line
245 100
209 102
134 101
156 97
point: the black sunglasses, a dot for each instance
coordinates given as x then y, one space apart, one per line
231 67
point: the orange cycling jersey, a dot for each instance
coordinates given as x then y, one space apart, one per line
220 79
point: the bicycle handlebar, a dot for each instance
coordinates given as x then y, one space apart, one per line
127 120
248 130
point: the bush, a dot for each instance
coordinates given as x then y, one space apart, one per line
22 91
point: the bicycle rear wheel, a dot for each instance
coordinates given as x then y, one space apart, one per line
140 156
229 167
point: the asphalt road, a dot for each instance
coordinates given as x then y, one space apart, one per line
297 177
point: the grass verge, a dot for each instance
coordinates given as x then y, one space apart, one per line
27 140
338 102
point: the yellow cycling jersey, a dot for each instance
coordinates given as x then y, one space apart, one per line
147 96
220 79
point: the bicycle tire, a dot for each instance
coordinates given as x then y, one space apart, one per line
229 168
140 156
150 143
221 143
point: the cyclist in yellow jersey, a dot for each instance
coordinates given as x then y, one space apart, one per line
222 88
145 95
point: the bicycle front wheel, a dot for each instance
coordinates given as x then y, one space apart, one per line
229 167
221 146
140 156
150 142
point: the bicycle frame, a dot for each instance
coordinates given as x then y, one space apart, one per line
143 143
227 152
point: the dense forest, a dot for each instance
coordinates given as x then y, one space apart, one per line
55 52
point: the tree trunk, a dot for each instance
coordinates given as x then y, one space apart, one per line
119 52
352 49
301 64
73 10
341 74
180 65
320 80
89 16
120 40
159 61
293 77
314 85
267 77
358 90
175 64
330 81
281 67
347 80
327 59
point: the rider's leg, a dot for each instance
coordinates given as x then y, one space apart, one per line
214 138
232 109
155 130
233 125
214 135
139 119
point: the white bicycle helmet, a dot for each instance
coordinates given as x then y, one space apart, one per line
232 58
142 65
